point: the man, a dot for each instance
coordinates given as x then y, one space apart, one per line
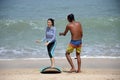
75 29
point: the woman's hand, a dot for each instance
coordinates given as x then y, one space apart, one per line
37 41
46 44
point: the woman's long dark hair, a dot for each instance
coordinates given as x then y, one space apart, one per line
52 20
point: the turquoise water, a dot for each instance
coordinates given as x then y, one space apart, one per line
22 22
42 9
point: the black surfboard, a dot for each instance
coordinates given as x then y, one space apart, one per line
49 70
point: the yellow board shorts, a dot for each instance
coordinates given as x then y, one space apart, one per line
74 45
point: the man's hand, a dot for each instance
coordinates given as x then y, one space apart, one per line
60 34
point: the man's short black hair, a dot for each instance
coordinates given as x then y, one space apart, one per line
70 17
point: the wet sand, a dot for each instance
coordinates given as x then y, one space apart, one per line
92 68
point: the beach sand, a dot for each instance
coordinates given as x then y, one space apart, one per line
92 69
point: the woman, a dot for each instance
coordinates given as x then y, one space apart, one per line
50 40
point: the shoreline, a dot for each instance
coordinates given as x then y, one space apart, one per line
82 57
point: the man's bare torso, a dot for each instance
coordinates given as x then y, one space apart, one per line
76 30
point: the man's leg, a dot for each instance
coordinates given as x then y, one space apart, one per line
78 62
70 62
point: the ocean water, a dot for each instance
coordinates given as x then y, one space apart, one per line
22 22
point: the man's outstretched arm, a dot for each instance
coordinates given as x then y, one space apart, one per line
65 32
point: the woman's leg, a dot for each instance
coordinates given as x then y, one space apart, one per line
52 62
51 48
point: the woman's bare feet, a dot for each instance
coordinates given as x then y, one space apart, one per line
52 66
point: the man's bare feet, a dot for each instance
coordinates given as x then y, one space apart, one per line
78 71
72 70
